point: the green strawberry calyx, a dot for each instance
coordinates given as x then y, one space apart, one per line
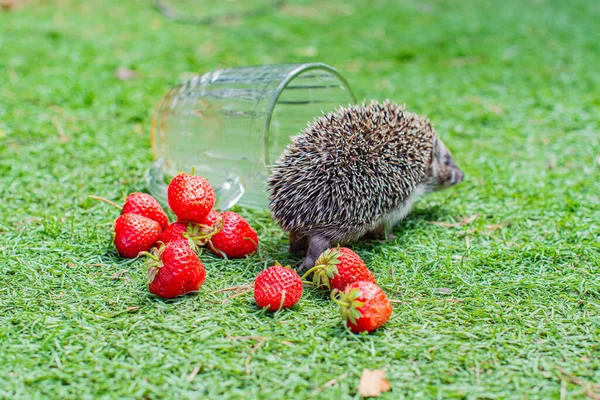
348 303
154 261
278 264
325 268
199 234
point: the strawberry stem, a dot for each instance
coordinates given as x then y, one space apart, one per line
221 226
112 203
197 238
321 274
147 254
335 293
310 271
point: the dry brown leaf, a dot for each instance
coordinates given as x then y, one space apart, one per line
590 389
193 373
241 293
257 346
138 129
373 383
551 164
134 308
234 338
119 274
125 74
62 136
9 4
465 221
445 290
496 109
259 342
234 288
462 61
309 51
495 227
330 383
300 11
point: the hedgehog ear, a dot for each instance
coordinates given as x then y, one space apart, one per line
434 148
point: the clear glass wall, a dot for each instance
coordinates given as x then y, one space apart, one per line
232 124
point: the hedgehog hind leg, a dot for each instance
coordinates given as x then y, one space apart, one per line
316 246
298 244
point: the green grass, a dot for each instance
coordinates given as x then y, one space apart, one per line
512 87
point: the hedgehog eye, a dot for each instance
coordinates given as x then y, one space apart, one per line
447 161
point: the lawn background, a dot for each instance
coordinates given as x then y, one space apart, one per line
489 310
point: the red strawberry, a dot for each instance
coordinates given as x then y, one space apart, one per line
190 197
134 234
141 204
210 218
236 238
175 269
147 206
174 232
364 306
338 267
277 287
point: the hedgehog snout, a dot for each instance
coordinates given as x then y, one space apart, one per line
456 176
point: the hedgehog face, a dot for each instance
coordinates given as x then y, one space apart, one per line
443 172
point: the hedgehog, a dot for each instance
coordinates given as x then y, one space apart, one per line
355 172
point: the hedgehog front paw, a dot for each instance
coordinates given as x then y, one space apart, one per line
306 265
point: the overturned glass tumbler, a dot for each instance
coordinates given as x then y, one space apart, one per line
231 125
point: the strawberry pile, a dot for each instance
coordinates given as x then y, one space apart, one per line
175 269
363 305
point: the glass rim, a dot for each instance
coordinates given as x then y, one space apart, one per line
299 69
